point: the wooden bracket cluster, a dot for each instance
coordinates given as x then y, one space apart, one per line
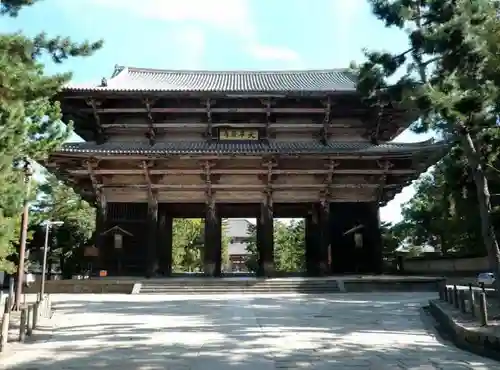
151 133
385 166
208 107
328 181
267 180
152 194
268 103
92 164
95 104
326 121
208 177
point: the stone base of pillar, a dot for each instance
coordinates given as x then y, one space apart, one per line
268 268
323 268
209 269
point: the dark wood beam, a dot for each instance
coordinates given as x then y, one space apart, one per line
198 125
240 187
274 171
212 110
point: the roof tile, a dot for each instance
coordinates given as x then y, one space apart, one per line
141 79
248 148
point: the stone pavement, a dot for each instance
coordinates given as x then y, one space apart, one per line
341 331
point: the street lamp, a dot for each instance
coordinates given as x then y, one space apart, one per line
28 172
48 224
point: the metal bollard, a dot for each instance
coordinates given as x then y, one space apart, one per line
7 305
29 321
442 291
36 307
4 334
450 295
49 307
463 304
472 301
42 308
483 310
22 324
456 302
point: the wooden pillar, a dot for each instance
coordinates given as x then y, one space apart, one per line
373 255
213 244
165 228
100 228
312 242
152 236
265 238
324 236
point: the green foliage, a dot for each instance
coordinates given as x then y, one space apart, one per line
289 247
30 125
58 202
450 73
187 245
252 261
390 240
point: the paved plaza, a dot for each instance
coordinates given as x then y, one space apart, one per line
341 331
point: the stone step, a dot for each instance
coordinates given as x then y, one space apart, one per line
243 286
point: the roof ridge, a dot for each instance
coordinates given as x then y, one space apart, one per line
235 71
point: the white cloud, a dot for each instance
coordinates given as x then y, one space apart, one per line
231 16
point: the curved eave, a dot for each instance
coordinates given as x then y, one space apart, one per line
425 164
234 149
72 93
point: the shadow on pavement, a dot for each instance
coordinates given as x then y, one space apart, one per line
240 332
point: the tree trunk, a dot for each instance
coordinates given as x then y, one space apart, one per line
483 197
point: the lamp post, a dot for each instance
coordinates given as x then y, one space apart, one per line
48 224
28 172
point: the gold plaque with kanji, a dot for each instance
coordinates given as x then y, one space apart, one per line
238 134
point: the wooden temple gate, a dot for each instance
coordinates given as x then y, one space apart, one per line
167 144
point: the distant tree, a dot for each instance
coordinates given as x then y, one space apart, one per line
58 202
451 75
188 243
390 240
252 259
289 246
29 118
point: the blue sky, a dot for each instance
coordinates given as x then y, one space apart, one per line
215 34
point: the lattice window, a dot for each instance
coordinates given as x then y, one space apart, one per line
127 211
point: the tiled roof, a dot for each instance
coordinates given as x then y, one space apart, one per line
141 79
247 148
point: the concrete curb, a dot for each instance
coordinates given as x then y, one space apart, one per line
464 338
